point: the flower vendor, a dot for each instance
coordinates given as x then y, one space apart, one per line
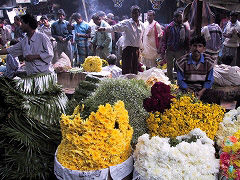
195 70
36 48
115 71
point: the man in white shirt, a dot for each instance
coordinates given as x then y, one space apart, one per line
115 71
151 40
36 48
132 34
232 38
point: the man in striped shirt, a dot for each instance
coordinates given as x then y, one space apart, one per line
195 70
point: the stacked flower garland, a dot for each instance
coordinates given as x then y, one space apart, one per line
100 141
229 125
230 157
192 157
160 99
92 64
185 115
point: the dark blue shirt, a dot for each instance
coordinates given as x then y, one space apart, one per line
60 29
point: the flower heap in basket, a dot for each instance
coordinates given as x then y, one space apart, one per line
230 157
94 64
229 125
185 157
100 141
172 117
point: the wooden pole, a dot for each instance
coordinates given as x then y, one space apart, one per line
198 19
85 10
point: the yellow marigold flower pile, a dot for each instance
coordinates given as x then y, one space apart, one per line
92 64
185 115
104 63
100 141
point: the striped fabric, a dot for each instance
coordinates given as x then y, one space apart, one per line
195 75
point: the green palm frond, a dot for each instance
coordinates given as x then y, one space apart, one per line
36 84
29 128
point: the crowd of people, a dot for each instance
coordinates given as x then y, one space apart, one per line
42 43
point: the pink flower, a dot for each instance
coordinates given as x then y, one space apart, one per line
224 160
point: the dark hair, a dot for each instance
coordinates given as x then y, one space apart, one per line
76 16
61 11
234 13
198 40
13 41
101 14
17 18
30 20
95 16
112 59
177 14
135 7
44 17
152 11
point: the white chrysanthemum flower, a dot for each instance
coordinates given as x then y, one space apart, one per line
193 160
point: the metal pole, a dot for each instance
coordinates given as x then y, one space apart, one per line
85 10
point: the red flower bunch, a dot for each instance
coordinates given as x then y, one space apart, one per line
160 99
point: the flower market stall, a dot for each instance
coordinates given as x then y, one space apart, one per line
140 128
93 147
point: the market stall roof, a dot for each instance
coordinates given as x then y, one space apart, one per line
7 4
232 5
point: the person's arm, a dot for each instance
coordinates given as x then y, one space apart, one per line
54 33
107 40
46 55
87 35
209 81
164 42
3 52
94 40
15 50
226 34
12 62
119 27
8 34
180 80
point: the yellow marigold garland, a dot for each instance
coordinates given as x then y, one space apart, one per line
184 116
100 141
92 64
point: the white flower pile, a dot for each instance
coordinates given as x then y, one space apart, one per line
154 72
229 125
155 159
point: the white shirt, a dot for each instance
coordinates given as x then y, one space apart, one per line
132 33
234 40
115 71
39 45
46 30
149 41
